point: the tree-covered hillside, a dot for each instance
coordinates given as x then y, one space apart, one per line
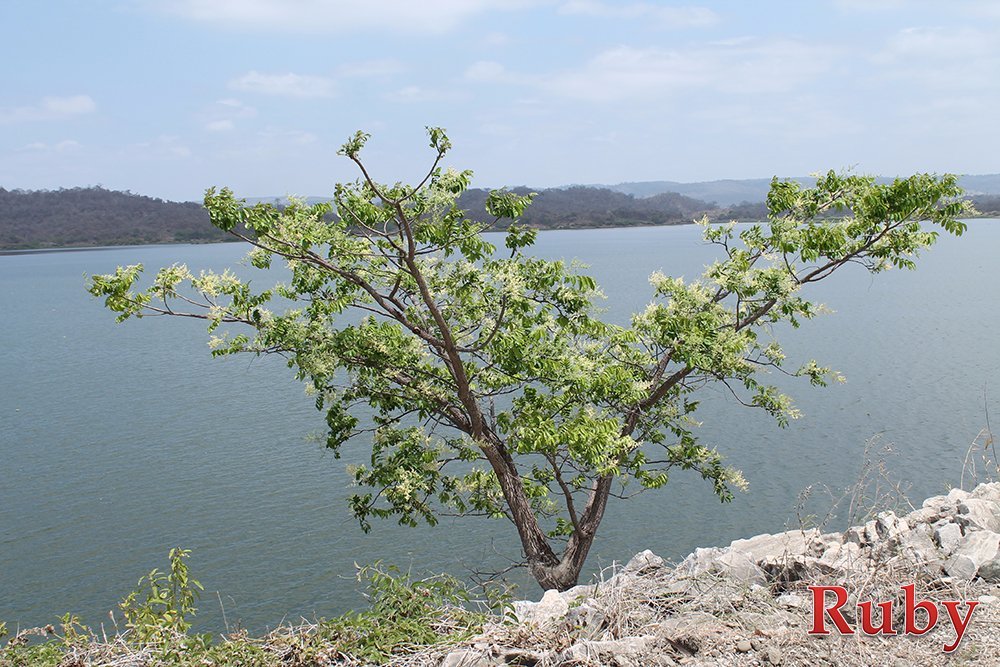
96 217
81 217
582 206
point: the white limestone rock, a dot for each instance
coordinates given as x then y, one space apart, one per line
469 657
990 492
976 549
948 537
552 606
978 513
643 562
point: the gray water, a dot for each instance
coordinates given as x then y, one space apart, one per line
118 442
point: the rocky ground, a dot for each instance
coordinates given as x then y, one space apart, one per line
749 603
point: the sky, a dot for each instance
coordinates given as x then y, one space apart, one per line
169 97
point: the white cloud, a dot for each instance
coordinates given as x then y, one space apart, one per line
225 115
236 108
869 5
224 125
67 145
941 60
271 142
49 108
495 39
989 9
628 72
371 68
284 85
673 17
58 147
68 106
938 43
284 137
322 16
413 94
163 146
744 66
486 71
982 8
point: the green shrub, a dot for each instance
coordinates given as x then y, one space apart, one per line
163 603
404 615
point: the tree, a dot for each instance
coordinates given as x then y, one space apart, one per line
495 387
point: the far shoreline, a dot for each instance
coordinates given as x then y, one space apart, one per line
993 215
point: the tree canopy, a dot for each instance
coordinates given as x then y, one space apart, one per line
496 387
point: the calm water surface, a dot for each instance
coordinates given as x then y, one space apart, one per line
118 442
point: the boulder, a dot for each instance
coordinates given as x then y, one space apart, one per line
948 537
772 549
739 568
698 562
990 492
961 566
990 570
957 495
918 547
935 502
626 651
644 562
792 601
586 620
889 526
922 515
773 655
976 549
978 514
943 507
691 631
468 657
552 606
843 557
578 593
796 568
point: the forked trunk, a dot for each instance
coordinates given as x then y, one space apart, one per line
548 569
564 573
561 576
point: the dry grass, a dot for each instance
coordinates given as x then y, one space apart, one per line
703 621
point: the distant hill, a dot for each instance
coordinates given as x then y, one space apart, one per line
97 217
80 217
984 184
987 205
729 192
579 206
719 193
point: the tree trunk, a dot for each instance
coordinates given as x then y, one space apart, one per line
565 573
562 576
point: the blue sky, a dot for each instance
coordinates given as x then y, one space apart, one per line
168 97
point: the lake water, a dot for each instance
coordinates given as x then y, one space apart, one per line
118 442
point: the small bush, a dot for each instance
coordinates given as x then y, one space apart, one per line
404 615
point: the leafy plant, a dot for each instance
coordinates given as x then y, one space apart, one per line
496 389
405 614
163 603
